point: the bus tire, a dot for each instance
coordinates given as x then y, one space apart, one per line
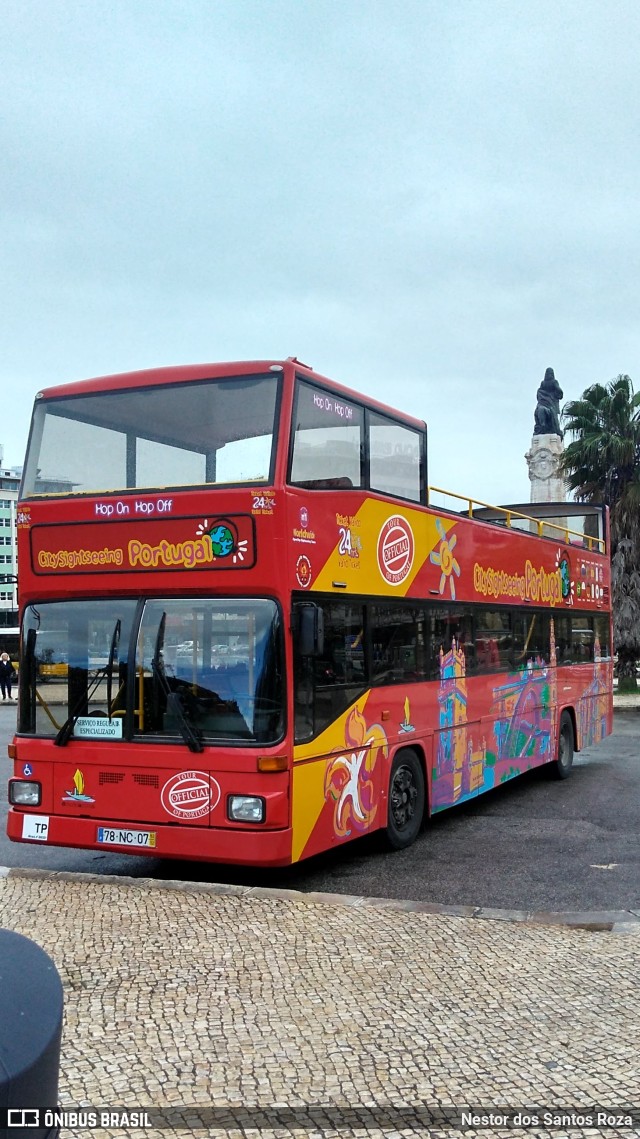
406 802
561 767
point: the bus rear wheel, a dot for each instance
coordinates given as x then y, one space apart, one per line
561 767
406 800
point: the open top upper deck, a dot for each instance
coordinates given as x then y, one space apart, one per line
573 523
168 476
250 423
216 424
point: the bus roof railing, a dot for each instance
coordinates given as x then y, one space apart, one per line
542 527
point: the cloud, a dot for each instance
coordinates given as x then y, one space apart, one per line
429 202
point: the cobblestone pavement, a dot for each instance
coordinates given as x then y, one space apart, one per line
327 1018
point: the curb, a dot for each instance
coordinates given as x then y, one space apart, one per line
596 921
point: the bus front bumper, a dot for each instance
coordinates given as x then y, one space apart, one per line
240 846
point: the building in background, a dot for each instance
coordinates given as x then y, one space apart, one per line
9 487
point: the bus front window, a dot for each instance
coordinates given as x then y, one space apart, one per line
205 670
209 670
74 665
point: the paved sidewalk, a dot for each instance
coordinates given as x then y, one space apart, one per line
228 1011
224 1007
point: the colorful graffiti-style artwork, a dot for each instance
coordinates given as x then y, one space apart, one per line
524 715
78 795
444 558
524 723
406 725
349 776
460 763
523 728
593 715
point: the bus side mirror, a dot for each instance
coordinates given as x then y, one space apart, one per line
309 629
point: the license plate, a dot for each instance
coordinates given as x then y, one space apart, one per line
118 836
35 827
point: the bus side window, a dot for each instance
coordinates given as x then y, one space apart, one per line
326 684
328 439
531 638
396 464
398 644
601 634
562 630
451 630
582 639
466 641
493 640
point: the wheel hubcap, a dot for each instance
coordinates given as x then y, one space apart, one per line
403 795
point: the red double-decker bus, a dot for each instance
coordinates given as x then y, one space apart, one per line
249 633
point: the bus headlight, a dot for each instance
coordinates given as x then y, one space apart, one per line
245 808
24 793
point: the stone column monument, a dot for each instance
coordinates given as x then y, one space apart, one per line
547 481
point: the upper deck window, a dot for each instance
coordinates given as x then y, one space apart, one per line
328 440
395 458
339 443
186 434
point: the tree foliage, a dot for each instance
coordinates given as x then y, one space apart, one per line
602 464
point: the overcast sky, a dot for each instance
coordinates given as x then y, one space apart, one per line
430 201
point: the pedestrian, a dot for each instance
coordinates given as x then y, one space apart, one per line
6 675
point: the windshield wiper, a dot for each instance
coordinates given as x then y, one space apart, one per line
190 734
63 736
175 705
115 641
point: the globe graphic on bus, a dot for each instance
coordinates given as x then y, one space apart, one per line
565 576
222 541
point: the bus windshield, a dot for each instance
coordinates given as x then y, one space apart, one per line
182 434
195 670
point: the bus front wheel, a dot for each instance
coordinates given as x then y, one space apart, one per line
563 764
406 800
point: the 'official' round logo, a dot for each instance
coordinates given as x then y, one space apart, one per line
395 550
190 795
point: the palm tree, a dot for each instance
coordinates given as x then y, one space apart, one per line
602 464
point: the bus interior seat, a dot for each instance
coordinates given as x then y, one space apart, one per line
341 482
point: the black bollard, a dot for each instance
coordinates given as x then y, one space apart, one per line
31 1003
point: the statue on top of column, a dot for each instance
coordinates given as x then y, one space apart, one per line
547 414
